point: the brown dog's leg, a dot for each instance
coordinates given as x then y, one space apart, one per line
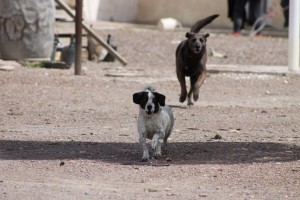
193 80
198 84
181 79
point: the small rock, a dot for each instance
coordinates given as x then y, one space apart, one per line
218 137
168 159
152 190
123 135
61 163
7 68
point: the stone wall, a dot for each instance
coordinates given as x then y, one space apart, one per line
26 29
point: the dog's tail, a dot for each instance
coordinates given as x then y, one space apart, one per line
203 22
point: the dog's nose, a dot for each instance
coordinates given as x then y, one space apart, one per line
149 107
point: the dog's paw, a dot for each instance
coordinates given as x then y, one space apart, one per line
144 159
183 95
190 103
157 155
154 145
182 98
196 96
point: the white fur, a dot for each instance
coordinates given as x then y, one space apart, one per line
150 102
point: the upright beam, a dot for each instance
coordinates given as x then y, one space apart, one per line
293 60
78 36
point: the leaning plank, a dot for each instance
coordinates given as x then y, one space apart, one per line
68 10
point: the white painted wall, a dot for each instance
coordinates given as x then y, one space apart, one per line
185 11
118 10
90 9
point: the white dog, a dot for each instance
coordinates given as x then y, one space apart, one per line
155 121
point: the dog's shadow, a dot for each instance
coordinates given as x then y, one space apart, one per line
130 153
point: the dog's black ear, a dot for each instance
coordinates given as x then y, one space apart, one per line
206 35
188 35
136 97
161 98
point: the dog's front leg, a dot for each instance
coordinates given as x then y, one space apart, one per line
155 143
198 84
193 80
181 79
145 157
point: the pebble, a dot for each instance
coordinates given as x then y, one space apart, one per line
218 137
7 68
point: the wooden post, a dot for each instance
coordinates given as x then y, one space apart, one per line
78 36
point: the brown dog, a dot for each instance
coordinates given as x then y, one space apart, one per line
191 59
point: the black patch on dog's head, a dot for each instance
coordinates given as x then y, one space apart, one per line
160 97
140 98
196 41
149 103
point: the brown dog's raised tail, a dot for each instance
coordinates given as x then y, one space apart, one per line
200 24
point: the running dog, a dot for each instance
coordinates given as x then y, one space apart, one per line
155 121
191 59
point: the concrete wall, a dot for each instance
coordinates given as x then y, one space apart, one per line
118 10
186 11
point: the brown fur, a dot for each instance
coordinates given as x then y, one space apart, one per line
94 49
191 57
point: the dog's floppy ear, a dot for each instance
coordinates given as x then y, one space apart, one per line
136 97
206 35
161 98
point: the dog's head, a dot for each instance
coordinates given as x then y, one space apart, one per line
196 41
149 101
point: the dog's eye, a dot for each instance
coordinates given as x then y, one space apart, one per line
194 39
201 40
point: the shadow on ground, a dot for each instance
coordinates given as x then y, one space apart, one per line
130 153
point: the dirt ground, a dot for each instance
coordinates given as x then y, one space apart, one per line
74 137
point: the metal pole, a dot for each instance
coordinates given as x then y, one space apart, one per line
294 9
78 35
